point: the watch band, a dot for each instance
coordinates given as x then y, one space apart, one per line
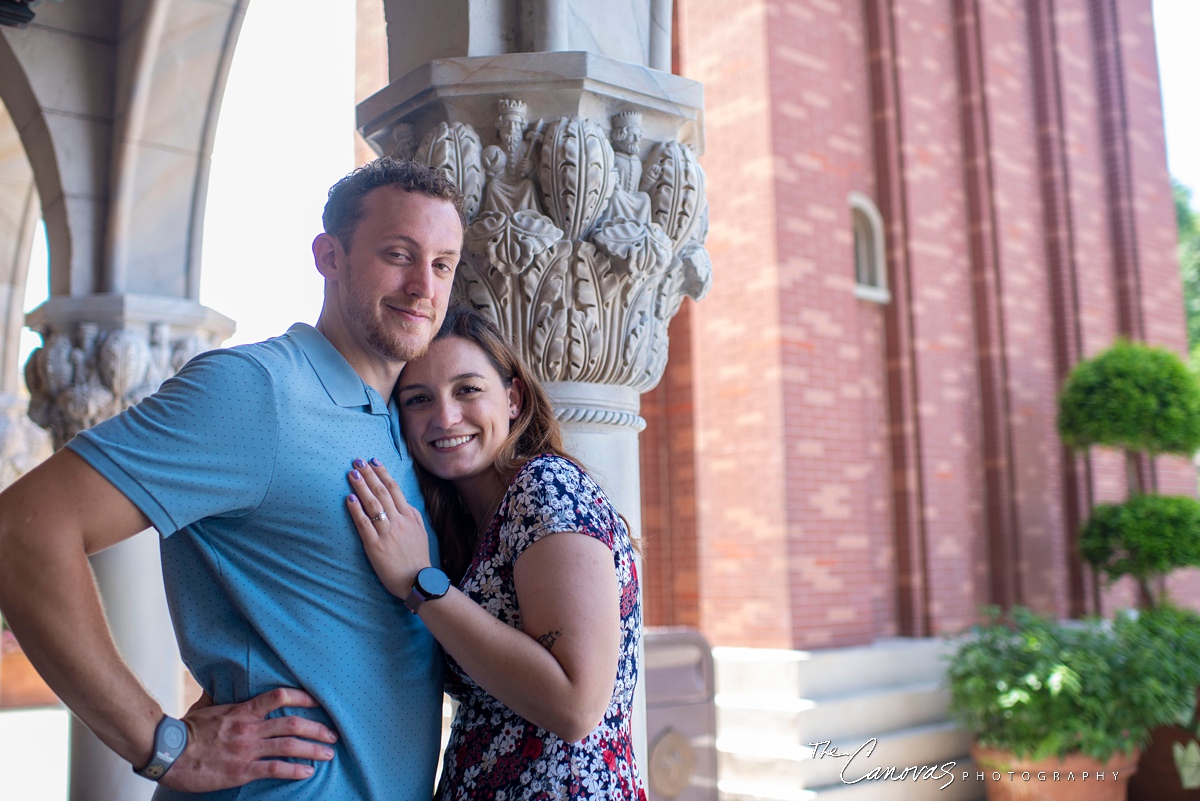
170 740
431 584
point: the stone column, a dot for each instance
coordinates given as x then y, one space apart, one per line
100 355
587 224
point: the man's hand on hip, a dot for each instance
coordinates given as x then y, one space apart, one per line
234 744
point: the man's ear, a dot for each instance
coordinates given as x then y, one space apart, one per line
328 255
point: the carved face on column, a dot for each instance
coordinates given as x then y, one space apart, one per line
627 133
627 140
511 130
510 127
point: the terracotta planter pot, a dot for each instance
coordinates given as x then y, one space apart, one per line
1157 778
989 760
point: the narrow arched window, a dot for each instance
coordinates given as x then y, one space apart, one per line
870 271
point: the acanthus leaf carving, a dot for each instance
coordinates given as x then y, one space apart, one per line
675 184
511 242
634 247
581 252
577 175
455 150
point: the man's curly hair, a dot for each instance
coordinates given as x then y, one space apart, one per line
343 210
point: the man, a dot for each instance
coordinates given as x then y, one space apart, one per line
239 461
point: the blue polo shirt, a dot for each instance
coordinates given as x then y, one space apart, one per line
240 462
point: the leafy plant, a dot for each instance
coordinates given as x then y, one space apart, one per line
1039 688
1146 537
1134 397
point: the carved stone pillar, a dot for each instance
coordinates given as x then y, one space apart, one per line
100 355
103 353
587 223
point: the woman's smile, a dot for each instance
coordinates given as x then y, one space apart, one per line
452 442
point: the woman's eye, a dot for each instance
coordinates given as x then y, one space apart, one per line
469 390
412 400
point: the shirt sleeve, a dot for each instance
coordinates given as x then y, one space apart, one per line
552 495
202 446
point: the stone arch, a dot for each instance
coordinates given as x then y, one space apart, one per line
26 127
117 113
164 124
19 213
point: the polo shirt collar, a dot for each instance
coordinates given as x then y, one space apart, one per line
345 387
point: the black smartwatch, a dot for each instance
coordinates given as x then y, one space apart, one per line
170 739
431 583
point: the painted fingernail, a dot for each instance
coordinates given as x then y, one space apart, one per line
359 463
353 499
357 476
376 462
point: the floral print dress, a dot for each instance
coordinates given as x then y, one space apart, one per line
493 752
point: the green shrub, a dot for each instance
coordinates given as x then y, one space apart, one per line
1132 396
1178 631
1145 537
1039 688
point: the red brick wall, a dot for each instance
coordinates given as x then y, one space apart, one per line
795 542
742 528
1027 306
949 400
830 341
670 547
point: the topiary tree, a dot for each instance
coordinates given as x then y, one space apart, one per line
1135 397
1144 538
1140 399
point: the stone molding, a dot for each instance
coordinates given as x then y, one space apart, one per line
570 84
102 354
588 405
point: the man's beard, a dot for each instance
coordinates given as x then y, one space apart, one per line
392 342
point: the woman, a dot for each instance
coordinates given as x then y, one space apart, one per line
539 617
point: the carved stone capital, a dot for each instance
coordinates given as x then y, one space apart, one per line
586 202
23 445
105 353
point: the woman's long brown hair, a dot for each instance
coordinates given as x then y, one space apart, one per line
535 431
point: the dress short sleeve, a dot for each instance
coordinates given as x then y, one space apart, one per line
202 446
550 495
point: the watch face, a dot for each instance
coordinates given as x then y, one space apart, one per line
433 583
173 735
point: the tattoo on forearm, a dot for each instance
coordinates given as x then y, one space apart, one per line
549 638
